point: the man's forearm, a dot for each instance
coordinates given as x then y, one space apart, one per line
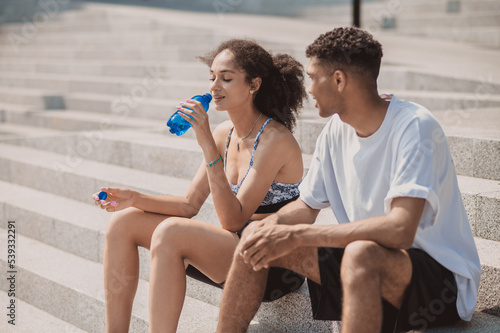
396 230
378 229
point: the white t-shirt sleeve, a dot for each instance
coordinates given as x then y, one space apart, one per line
415 171
313 187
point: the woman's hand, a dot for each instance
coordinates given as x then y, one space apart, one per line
118 198
198 118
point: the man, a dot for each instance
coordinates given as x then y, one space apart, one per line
402 256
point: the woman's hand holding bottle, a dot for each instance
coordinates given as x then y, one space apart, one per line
198 118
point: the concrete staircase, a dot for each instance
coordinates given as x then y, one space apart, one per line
83 104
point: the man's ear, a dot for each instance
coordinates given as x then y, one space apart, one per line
255 84
339 80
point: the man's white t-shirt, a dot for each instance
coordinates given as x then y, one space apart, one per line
408 156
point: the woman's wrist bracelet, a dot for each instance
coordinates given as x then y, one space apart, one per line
214 161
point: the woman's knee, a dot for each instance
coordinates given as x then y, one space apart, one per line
168 235
120 224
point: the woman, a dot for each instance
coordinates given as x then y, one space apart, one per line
252 166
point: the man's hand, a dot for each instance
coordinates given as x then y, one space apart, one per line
265 242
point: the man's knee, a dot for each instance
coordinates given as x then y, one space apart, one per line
361 259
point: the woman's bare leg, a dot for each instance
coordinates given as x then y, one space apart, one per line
125 231
176 241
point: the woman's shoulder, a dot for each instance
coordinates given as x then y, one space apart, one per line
277 137
278 132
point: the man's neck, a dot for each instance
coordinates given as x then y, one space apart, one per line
367 114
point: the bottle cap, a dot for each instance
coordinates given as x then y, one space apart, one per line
102 195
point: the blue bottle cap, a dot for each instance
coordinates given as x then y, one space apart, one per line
102 195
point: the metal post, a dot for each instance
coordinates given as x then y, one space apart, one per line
356 11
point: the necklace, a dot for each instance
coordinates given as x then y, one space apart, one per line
243 138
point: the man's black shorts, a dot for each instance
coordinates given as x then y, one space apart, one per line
429 300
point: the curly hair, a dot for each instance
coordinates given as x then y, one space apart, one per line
282 89
348 49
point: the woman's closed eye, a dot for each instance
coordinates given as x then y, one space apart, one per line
225 80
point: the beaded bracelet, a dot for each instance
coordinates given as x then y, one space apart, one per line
213 162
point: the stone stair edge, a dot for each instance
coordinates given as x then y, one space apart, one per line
89 175
33 319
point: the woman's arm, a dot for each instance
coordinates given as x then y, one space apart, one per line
234 211
184 206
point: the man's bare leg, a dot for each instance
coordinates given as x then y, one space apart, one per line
368 273
244 288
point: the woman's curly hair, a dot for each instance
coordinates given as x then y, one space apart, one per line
348 49
282 89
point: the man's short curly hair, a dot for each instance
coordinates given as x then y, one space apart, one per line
350 49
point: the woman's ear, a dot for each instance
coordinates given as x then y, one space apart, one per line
255 85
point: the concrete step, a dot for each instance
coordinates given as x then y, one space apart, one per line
71 288
152 53
13 131
448 6
70 120
121 38
37 98
485 37
441 100
437 20
30 319
152 108
133 69
156 84
402 78
129 24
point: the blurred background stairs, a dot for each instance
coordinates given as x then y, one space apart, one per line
86 93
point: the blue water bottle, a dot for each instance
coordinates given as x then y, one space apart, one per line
178 125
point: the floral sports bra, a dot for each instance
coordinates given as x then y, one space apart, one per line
279 194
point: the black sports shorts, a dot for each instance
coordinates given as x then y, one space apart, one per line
429 301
